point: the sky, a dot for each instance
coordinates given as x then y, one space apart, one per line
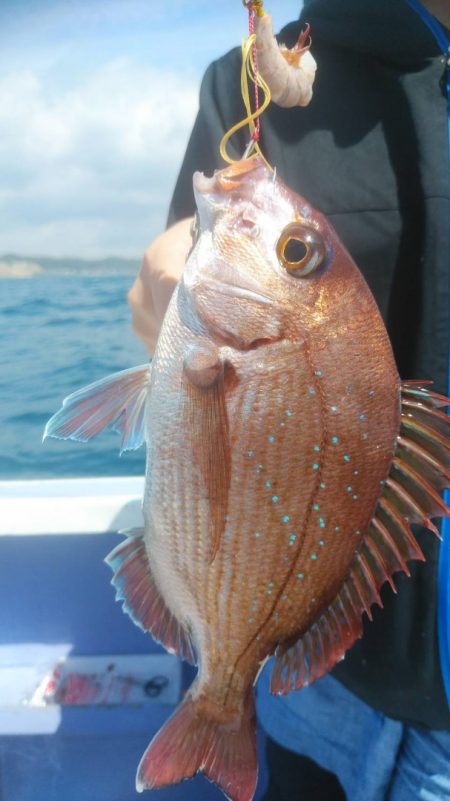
97 99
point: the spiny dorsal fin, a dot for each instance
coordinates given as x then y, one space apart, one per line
425 395
420 469
117 402
135 585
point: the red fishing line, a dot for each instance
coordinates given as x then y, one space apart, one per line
251 30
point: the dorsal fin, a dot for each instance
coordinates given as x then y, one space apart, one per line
136 586
422 449
117 402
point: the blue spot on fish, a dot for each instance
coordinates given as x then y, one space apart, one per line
335 440
313 557
285 518
271 438
268 484
322 523
362 417
346 457
275 499
315 466
250 454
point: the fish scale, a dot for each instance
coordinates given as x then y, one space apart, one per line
266 516
175 556
286 465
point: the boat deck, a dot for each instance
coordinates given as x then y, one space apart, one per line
57 603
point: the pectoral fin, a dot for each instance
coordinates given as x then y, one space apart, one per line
117 402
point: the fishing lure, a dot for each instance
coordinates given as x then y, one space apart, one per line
289 73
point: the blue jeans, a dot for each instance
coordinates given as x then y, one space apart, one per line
375 758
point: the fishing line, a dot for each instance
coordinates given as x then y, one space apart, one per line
250 73
255 9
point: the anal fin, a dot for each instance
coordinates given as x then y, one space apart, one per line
318 649
136 586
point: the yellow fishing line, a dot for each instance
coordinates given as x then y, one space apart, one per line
247 73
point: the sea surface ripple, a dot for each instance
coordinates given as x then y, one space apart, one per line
57 334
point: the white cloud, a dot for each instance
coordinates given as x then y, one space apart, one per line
96 103
72 159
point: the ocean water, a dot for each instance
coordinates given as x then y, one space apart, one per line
58 333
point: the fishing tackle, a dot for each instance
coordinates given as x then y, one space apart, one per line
284 75
289 73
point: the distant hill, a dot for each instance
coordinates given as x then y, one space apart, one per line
15 266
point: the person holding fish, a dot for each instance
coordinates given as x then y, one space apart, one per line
296 452
371 152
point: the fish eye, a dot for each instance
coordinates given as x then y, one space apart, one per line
300 249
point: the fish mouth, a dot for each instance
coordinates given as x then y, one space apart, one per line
239 291
231 177
234 314
225 279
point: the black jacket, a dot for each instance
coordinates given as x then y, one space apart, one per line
371 152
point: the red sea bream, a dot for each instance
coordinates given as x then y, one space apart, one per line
285 463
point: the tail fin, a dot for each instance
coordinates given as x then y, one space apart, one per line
191 742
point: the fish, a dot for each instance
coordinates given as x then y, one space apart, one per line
286 462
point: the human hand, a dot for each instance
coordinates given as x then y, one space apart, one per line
160 272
